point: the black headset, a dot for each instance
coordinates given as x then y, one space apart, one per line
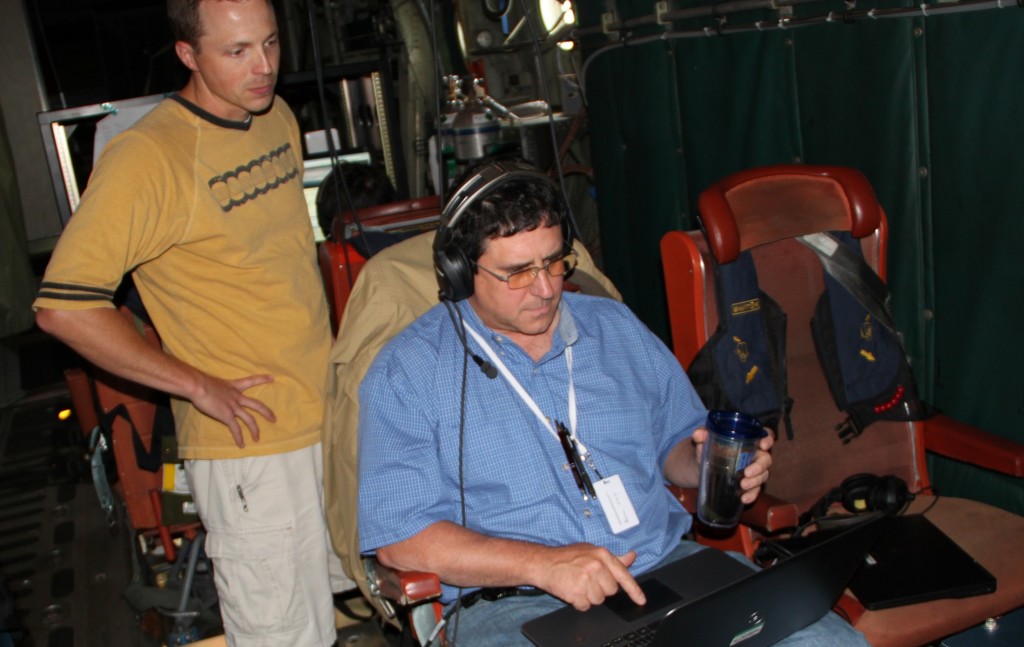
454 270
865 493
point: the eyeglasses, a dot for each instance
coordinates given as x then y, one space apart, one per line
524 278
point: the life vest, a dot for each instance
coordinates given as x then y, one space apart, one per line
743 365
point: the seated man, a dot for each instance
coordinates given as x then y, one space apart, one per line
395 287
466 472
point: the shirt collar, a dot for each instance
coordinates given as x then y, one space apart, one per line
244 124
565 335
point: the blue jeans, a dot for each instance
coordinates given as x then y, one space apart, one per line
496 624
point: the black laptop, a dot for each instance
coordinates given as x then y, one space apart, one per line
914 561
710 599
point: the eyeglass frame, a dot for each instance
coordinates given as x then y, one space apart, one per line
535 270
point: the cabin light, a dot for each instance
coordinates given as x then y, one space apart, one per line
554 13
63 414
460 35
566 45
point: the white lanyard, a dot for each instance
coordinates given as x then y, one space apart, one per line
584 453
609 492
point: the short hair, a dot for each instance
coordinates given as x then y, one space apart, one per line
522 204
368 185
185 22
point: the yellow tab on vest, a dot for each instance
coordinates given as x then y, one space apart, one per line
746 307
751 373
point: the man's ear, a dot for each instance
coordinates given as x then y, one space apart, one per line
186 53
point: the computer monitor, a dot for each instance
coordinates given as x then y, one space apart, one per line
316 170
74 137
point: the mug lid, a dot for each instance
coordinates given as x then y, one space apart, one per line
735 424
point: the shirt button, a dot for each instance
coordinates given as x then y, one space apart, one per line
565 467
587 512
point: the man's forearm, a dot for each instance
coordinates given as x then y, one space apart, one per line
681 465
463 557
108 340
580 574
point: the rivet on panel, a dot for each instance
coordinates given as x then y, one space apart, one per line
53 614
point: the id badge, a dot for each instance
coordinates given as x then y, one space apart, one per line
618 509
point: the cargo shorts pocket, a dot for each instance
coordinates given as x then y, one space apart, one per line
256 574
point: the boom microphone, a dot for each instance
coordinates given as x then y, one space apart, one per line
485 367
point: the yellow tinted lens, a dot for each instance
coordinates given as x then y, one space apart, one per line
522 278
525 278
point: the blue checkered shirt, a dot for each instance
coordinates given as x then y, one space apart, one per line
634 404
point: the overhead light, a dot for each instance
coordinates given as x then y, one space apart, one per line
554 13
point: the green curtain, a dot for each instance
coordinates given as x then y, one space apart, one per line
930 109
976 105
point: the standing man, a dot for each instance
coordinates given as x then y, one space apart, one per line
202 201
538 480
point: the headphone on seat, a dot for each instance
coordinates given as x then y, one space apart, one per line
454 270
864 496
864 493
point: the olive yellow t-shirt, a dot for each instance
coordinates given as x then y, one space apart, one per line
209 216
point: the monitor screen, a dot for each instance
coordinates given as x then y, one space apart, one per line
315 170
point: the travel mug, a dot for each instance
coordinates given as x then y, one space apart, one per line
730 447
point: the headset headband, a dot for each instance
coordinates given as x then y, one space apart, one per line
484 181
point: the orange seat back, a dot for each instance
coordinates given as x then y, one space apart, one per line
763 210
340 262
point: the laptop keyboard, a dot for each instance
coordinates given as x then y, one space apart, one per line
637 637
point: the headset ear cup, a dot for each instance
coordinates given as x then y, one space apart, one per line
454 271
458 274
857 492
862 493
868 493
889 495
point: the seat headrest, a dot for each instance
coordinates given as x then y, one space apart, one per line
388 214
771 203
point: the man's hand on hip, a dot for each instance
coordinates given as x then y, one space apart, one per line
225 400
